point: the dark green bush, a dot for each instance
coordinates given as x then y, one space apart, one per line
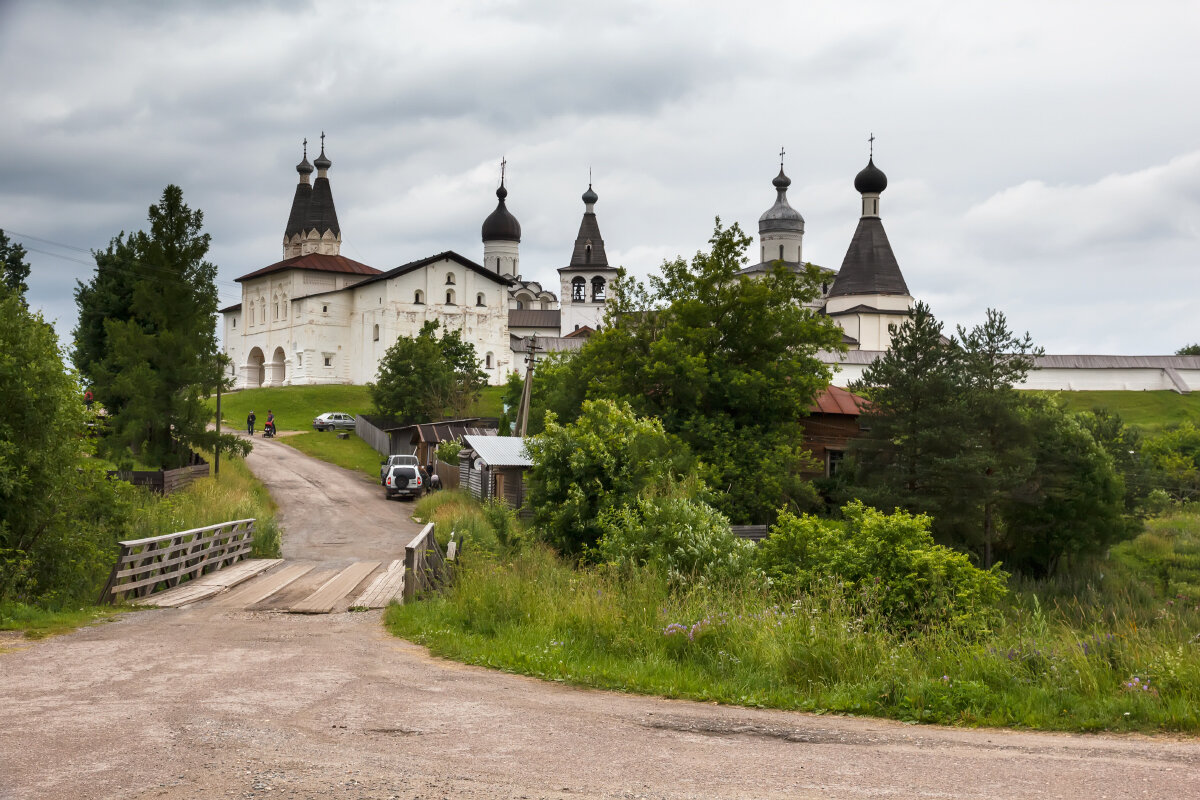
889 561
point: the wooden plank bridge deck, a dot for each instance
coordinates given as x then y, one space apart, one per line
210 585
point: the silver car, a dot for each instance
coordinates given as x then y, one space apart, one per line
333 419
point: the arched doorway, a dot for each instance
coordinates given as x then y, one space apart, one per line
277 369
254 370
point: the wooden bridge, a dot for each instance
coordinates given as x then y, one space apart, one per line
211 564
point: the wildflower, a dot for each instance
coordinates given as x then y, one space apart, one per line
945 679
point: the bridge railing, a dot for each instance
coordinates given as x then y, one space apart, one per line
149 565
426 567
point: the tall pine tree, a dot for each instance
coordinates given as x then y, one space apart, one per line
146 340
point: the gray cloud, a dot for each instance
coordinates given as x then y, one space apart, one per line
1041 159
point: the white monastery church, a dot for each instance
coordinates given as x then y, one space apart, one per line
319 317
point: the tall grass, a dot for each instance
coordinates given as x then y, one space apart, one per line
1112 657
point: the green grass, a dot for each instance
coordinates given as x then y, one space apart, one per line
38 623
1150 411
1069 664
294 406
489 404
351 453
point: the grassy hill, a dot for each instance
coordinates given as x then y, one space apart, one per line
295 406
1150 411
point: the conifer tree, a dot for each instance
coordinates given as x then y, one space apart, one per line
146 340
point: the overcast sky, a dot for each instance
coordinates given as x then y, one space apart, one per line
1043 157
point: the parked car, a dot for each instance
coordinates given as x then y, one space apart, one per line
392 461
405 480
334 419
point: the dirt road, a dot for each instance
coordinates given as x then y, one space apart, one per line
202 702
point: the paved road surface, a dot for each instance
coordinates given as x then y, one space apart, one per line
207 703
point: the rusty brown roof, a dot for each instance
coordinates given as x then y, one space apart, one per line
317 262
838 401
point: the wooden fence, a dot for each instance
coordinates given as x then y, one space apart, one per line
165 481
447 473
755 533
426 568
149 565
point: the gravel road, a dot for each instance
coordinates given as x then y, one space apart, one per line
203 702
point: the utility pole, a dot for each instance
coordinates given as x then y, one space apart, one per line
527 390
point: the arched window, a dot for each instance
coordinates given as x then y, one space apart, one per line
520 305
487 360
479 300
419 297
587 253
578 289
284 306
497 263
275 308
449 297
376 333
597 288
449 278
781 252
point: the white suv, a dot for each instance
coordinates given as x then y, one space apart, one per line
394 460
404 480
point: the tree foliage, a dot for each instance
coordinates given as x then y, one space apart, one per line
424 377
1175 455
727 362
59 515
603 460
146 339
1004 475
1188 350
14 269
888 560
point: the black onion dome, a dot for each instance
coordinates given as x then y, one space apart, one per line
781 181
589 196
500 224
321 161
304 168
871 180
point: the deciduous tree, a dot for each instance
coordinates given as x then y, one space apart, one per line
424 377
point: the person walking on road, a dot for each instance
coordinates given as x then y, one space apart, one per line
250 423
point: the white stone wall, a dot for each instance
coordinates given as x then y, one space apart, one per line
575 313
502 257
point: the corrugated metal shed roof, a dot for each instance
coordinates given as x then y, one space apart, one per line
500 451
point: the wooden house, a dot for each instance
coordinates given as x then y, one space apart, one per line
832 422
494 466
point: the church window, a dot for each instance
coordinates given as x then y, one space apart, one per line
299 359
781 252
520 305
235 322
324 309
419 297
764 253
497 263
479 300
488 361
578 289
587 253
376 332
449 278
597 288
449 297
284 306
329 361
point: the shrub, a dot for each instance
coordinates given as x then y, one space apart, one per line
603 460
687 539
447 452
887 560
